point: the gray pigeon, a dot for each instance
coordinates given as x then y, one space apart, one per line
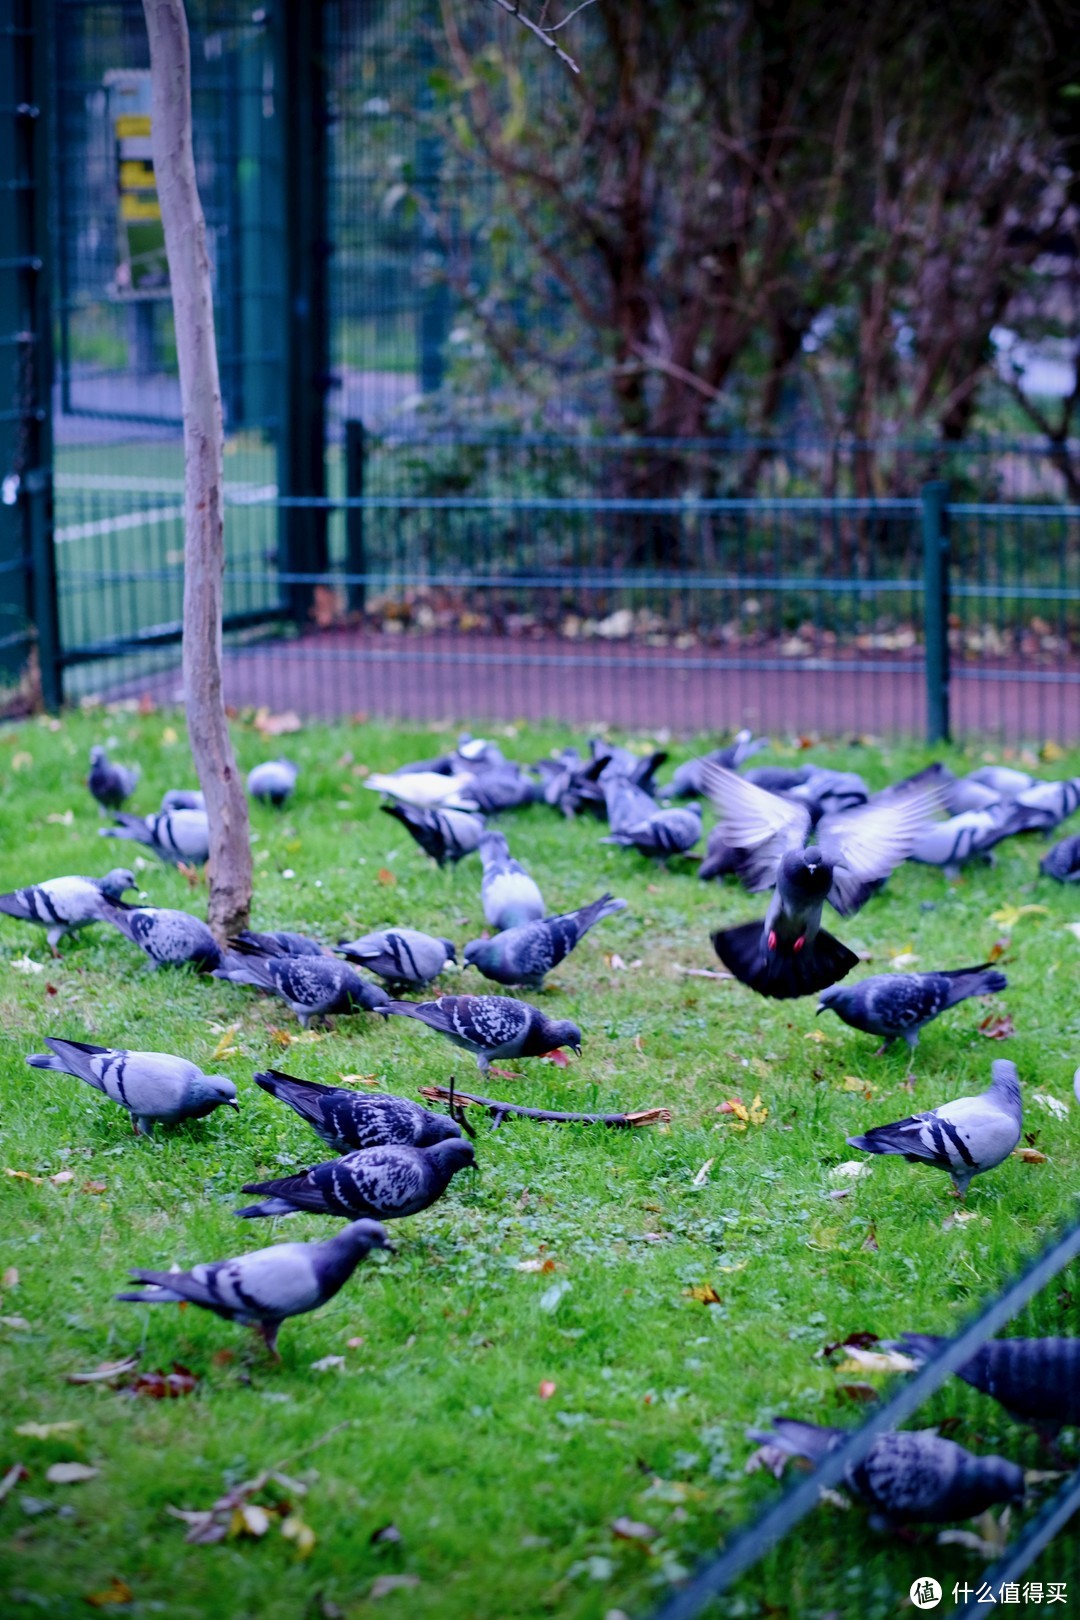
524 955
824 792
491 1026
273 781
110 784
964 837
169 938
686 783
789 954
1063 861
720 859
1046 804
891 1005
403 957
385 1183
966 1137
508 894
1004 780
1036 1380
349 1120
445 835
183 799
152 1086
312 986
174 835
627 803
661 833
65 904
914 1477
504 788
265 1287
965 793
279 942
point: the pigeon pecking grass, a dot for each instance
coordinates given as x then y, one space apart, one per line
899 1005
1063 861
264 1288
65 904
403 957
175 836
385 1183
966 1137
445 835
491 1027
350 1120
154 1087
524 955
311 986
169 938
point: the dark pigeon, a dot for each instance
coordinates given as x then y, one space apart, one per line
385 1183
312 986
720 859
273 781
686 782
111 785
350 1120
262 1289
279 942
154 1087
891 1005
661 833
169 938
65 904
503 788
1036 1380
403 957
491 1026
1063 861
914 1477
524 955
445 835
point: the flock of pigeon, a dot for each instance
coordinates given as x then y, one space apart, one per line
804 836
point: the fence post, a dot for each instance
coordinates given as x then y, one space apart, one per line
355 559
37 493
935 533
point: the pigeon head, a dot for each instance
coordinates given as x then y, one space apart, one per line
437 1128
98 756
474 949
453 1155
805 874
220 1089
834 996
115 883
1005 1078
562 1032
450 948
361 1236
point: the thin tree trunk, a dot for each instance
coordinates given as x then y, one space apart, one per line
204 448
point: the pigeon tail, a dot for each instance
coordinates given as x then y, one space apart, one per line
782 973
797 1439
975 981
128 826
269 1206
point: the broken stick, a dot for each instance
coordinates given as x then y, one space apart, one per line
500 1110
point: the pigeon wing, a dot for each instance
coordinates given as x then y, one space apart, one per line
758 824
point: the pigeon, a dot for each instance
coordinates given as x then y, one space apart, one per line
348 1120
686 783
169 938
662 833
963 793
183 799
403 957
1046 804
424 790
66 904
823 791
1063 861
312 986
891 1005
508 894
505 788
152 1086
720 859
491 1026
625 801
174 835
385 1183
966 836
525 954
789 954
264 1287
966 1137
111 785
280 942
911 1477
1003 780
1036 1380
445 835
273 781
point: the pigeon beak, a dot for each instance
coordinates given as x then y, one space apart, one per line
232 1102
576 1050
819 1009
389 1248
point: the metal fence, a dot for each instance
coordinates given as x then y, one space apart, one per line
805 1555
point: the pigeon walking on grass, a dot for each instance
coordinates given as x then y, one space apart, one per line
183 799
278 942
175 836
110 784
899 1005
262 1289
65 904
403 957
1037 1381
273 782
445 835
350 1120
491 1026
524 955
169 938
661 832
508 894
966 1137
154 1087
312 986
1063 861
914 1477
966 837
789 953
386 1183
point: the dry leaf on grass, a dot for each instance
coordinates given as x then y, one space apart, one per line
61 818
165 1386
294 1529
850 1170
9 1481
632 1530
756 1114
62 1177
385 877
10 1279
547 1389
860 1392
1008 916
276 725
327 1363
70 1473
997 1027
1053 1105
876 1361
46 1431
226 1047
106 1373
25 964
1030 1155
770 1457
116 1592
703 1174
705 1294
536 1263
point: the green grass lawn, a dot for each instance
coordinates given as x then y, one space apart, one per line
434 1420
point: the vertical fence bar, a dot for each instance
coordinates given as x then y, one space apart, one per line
37 494
355 559
935 533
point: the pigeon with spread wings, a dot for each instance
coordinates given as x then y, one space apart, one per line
789 953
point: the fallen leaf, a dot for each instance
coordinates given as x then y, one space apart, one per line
249 1519
870 1241
18 1323
45 1431
632 1530
327 1363
1030 1155
702 973
354 1343
902 960
383 1585
25 964
703 1174
105 1373
70 1473
734 1105
560 1059
850 1170
1054 1105
851 1082
165 1386
1008 916
277 725
62 1177
61 818
547 1389
117 1591
705 1294
817 1035
998 949
860 1392
10 1279
615 961
294 1529
169 737
9 1481
280 1037
997 1027
876 1361
771 1457
536 1263
226 1047
94 1187
22 761
359 1079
